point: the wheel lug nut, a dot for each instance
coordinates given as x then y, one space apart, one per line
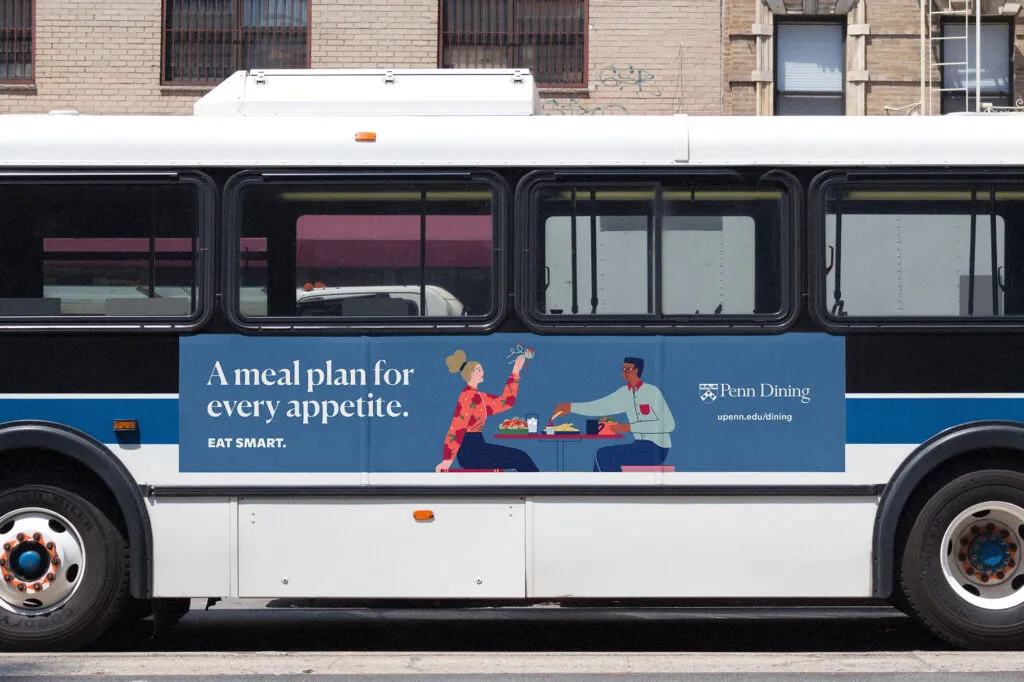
990 527
51 577
21 536
1004 533
21 587
1000 575
7 577
7 546
1013 547
963 541
37 587
969 571
975 530
984 577
37 536
49 545
55 561
962 556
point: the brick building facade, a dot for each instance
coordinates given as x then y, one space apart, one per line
701 57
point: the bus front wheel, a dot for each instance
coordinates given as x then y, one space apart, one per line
961 572
63 570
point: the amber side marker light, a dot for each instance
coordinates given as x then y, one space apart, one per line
122 425
366 137
423 515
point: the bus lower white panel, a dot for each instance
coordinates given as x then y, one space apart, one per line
191 547
702 547
332 548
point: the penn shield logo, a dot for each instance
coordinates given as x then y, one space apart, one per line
708 393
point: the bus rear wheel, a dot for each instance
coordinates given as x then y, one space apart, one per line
961 572
63 570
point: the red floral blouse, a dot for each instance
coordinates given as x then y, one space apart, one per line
472 410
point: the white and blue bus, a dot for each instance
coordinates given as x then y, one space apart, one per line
387 335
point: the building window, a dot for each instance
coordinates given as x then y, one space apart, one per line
809 69
205 41
958 71
549 37
17 21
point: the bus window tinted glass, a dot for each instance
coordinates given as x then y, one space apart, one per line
91 249
362 251
721 252
658 251
923 253
595 247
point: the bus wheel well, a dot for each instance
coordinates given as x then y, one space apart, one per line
20 467
976 460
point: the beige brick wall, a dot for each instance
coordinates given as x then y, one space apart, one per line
650 57
97 56
893 54
740 56
645 56
360 34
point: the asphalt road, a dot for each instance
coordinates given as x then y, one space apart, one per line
246 640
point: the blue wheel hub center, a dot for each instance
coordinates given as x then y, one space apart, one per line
29 561
989 553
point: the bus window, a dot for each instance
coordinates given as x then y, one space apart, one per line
376 251
909 252
99 249
649 250
721 252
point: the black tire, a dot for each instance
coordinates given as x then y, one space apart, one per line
930 597
101 597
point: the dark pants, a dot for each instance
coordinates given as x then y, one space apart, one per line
476 453
637 453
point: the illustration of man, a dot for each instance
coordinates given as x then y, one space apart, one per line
650 421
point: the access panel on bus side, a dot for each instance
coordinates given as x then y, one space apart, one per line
382 548
697 546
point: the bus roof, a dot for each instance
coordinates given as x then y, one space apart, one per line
507 141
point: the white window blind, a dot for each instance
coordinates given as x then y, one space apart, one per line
810 58
995 57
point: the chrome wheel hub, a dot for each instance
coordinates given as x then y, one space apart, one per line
981 554
41 561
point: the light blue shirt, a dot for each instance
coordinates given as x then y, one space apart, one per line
645 408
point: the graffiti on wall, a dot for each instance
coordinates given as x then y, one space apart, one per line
573 107
629 77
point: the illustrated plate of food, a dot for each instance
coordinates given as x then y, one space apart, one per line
513 426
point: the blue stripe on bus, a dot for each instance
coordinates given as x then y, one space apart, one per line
868 420
915 420
157 417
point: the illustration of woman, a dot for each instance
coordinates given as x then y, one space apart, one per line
465 438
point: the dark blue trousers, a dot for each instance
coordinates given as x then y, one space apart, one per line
637 453
476 453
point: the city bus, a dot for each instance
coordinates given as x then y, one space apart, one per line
370 336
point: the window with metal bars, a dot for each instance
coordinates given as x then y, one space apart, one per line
205 41
548 37
17 29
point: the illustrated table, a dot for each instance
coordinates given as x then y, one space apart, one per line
559 439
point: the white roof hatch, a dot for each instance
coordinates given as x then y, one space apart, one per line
397 92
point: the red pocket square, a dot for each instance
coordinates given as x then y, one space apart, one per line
645 409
